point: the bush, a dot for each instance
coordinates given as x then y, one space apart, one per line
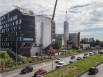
20 63
24 61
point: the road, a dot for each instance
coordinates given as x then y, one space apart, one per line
46 65
99 74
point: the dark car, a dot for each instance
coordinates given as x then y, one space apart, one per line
93 71
27 69
79 58
85 55
39 72
73 57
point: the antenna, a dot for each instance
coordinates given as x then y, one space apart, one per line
66 16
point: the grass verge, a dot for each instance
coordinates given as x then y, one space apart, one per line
77 67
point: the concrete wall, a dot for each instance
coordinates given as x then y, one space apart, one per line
35 50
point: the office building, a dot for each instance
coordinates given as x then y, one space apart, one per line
74 40
18 30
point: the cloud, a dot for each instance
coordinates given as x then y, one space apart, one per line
83 15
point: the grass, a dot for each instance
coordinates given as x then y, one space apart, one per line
77 67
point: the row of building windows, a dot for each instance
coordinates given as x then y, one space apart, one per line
10 35
5 44
11 29
19 21
11 39
8 19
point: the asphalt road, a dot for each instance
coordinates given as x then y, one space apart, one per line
46 65
99 74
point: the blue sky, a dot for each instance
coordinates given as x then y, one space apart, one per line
85 16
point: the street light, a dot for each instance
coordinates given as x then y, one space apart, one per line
52 60
16 52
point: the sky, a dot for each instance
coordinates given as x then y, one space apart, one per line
84 16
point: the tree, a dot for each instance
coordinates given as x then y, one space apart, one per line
97 42
56 45
5 59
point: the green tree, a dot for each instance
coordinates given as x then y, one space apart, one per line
56 45
97 42
5 60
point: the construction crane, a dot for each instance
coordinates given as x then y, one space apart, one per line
54 10
53 20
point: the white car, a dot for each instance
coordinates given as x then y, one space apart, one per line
91 53
95 52
58 60
60 64
72 60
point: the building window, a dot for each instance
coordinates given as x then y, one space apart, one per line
20 21
19 27
4 17
16 33
20 38
14 28
16 22
15 17
13 23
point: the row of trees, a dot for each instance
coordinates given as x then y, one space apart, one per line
94 43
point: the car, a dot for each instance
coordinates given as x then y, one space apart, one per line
73 57
101 51
39 72
95 52
58 60
85 56
91 53
86 53
27 69
72 60
79 58
93 71
60 64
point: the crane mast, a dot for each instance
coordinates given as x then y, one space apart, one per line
54 10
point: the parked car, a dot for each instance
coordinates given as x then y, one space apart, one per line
39 72
93 71
58 60
27 69
79 58
60 64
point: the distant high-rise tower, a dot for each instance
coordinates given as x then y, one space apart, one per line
66 30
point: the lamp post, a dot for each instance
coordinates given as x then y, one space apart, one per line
52 60
16 52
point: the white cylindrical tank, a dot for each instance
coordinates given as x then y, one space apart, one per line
66 32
